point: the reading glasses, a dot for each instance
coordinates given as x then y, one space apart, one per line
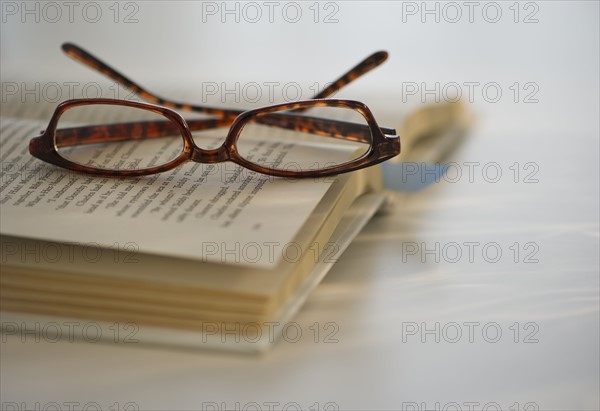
279 140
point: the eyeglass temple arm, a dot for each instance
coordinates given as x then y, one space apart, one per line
86 58
368 64
105 133
322 126
155 129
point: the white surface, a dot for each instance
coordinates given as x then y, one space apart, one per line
371 293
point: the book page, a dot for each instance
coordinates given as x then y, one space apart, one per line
197 211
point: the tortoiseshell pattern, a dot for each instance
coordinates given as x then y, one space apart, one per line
161 128
87 59
104 133
384 144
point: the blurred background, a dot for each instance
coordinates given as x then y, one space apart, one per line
529 73
527 62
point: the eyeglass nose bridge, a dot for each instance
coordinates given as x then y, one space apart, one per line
217 155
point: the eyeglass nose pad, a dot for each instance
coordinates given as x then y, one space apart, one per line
217 155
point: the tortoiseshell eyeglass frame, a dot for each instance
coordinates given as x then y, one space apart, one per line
86 58
383 142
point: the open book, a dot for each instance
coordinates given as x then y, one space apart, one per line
182 256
